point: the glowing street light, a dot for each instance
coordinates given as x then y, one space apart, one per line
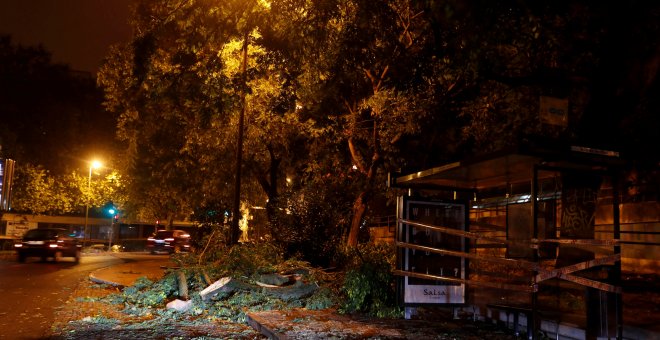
93 165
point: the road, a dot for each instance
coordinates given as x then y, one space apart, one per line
31 292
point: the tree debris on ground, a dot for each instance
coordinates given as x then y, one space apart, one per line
244 280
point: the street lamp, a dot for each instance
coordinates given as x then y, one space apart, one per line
93 165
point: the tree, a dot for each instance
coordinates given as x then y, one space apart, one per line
157 84
178 88
361 72
33 191
37 191
180 73
338 93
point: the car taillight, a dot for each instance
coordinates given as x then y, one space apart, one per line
53 245
170 239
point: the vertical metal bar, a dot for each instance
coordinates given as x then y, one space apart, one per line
617 250
535 256
399 251
89 188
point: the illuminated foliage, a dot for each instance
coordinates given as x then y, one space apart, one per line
339 93
39 192
178 89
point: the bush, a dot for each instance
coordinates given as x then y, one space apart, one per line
321 299
249 259
368 285
307 222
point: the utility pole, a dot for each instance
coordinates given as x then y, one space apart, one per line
235 230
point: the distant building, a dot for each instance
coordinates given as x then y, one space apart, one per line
6 180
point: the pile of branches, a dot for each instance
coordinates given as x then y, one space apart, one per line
250 277
246 278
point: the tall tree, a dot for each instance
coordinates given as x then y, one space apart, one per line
360 73
342 91
179 86
38 191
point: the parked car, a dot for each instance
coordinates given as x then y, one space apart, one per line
48 242
169 241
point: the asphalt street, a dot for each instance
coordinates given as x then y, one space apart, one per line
31 292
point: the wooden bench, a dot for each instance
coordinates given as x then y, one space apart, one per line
516 311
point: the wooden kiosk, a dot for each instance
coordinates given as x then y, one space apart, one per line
511 237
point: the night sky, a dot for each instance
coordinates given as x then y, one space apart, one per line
76 32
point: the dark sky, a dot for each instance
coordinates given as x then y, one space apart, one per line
76 32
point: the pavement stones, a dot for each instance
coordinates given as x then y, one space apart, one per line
328 324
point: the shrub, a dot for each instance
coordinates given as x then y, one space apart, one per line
307 222
368 285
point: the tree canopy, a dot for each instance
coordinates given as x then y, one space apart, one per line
338 93
38 191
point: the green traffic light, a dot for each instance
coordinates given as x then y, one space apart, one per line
111 211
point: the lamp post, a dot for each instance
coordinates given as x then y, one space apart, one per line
235 229
93 165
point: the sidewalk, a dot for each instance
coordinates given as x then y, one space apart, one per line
125 274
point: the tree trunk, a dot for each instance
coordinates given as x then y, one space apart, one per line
360 205
268 181
170 221
359 208
182 284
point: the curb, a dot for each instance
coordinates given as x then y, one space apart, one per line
95 279
127 271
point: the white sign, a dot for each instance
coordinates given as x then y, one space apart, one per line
433 293
440 214
554 111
